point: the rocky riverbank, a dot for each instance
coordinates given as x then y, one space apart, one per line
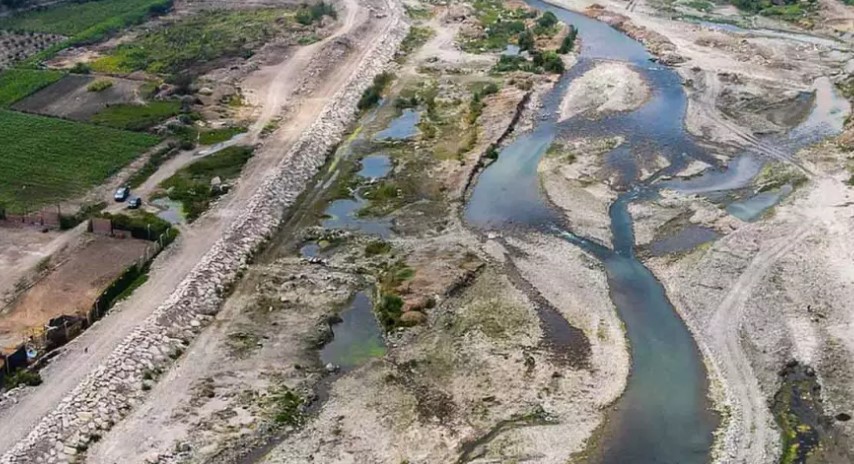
109 393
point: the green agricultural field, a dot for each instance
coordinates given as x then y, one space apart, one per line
72 18
16 84
137 117
199 39
44 160
83 23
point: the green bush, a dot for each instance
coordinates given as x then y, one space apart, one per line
309 14
141 224
22 377
80 68
373 94
99 85
389 310
526 41
377 247
568 42
548 19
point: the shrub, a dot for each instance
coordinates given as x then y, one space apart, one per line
548 19
99 85
22 377
569 41
389 310
526 41
377 247
309 14
80 68
142 224
373 94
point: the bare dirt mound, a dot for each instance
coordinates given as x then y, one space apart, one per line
607 88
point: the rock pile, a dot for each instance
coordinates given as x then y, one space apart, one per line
107 395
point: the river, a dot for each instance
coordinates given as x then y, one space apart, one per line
665 415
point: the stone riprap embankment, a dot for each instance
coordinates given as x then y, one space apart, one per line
107 395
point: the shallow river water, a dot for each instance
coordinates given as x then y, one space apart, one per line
665 415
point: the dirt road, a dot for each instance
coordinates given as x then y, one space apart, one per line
96 344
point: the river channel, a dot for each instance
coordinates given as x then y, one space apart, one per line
665 415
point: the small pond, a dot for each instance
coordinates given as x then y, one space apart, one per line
357 338
402 127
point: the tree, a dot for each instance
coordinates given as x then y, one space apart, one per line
526 41
547 20
568 41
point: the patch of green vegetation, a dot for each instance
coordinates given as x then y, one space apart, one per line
389 309
213 136
542 62
72 18
568 42
700 5
138 282
240 344
99 85
45 160
16 84
501 25
546 25
83 22
389 305
22 377
495 318
417 12
286 407
789 10
417 36
136 117
84 213
776 175
141 224
197 40
309 14
372 95
150 167
308 39
377 247
560 151
192 184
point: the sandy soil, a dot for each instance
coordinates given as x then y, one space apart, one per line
70 288
607 88
22 249
91 348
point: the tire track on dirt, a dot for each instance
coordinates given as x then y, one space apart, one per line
752 428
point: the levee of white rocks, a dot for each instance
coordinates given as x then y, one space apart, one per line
108 394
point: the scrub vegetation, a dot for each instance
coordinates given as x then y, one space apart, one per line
16 84
202 39
66 159
192 185
789 10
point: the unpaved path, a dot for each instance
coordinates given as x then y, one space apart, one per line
752 414
151 429
96 344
